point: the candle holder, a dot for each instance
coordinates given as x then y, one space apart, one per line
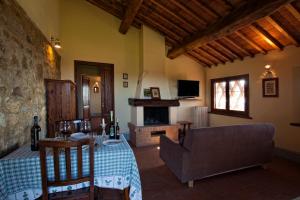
103 125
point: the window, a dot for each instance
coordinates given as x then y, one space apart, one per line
230 96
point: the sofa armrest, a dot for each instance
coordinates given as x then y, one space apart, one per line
173 155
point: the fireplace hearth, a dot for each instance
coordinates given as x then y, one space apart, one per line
156 115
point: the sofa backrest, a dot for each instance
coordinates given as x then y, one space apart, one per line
219 149
226 136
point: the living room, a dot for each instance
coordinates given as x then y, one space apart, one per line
90 34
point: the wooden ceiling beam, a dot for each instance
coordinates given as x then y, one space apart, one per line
237 46
219 53
279 26
175 16
250 42
245 13
207 9
167 21
293 11
266 35
114 10
227 50
190 12
211 55
130 13
205 58
197 60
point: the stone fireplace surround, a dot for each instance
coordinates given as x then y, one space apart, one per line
144 135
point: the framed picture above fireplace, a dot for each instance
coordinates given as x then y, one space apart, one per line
155 93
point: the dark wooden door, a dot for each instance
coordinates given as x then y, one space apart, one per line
107 92
106 72
86 97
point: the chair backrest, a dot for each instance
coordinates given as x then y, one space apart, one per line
66 145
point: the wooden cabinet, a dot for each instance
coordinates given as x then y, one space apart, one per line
60 103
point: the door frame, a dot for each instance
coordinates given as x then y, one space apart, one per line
101 66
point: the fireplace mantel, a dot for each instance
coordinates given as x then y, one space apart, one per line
153 102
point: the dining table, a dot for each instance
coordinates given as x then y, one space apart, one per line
114 167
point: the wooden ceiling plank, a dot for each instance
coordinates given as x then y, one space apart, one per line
207 9
279 26
190 12
237 46
228 4
293 11
229 51
130 13
175 16
267 36
245 13
197 60
250 42
166 20
211 55
205 58
162 28
219 53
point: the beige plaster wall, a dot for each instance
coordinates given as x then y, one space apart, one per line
184 68
279 111
90 34
152 52
45 14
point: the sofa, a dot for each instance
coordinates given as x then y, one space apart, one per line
211 151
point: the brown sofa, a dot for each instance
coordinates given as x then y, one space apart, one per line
216 150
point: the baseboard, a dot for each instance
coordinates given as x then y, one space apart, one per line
289 155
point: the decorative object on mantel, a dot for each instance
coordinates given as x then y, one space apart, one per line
147 93
270 87
155 93
125 76
125 84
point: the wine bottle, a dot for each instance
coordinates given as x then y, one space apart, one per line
112 126
35 134
117 130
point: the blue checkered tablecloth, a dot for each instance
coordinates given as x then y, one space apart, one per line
115 167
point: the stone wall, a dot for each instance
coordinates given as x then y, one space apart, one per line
26 59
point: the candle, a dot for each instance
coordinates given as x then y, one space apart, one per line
103 122
111 116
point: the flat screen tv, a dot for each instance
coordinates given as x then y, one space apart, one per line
187 88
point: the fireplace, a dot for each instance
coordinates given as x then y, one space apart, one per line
156 115
151 118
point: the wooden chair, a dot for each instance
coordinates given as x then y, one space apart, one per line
56 145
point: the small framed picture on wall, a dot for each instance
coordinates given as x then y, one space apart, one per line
270 87
125 84
155 93
125 76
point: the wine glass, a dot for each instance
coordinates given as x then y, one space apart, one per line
65 128
85 126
